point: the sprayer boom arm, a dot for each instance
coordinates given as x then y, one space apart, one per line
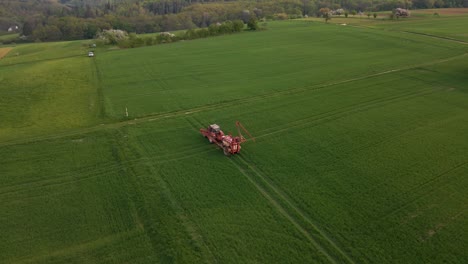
239 127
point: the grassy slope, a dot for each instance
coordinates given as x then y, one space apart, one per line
8 37
370 170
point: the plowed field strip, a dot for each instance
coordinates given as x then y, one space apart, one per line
4 52
185 112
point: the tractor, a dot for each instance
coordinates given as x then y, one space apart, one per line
229 143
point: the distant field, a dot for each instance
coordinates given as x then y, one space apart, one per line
360 151
441 11
8 37
47 87
450 23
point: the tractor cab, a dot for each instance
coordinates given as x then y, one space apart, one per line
216 132
214 128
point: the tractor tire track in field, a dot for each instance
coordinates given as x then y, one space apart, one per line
414 33
267 182
59 179
93 172
210 107
312 238
268 190
86 173
344 111
436 37
286 207
191 228
99 89
383 140
425 192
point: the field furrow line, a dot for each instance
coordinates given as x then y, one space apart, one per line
79 249
283 212
284 197
43 60
436 37
414 33
99 89
426 192
400 135
131 169
94 172
192 229
57 181
334 114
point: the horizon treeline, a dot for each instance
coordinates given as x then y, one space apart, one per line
51 20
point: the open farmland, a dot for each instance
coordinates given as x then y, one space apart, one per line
360 152
449 23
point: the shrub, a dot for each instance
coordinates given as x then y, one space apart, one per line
253 24
281 16
112 36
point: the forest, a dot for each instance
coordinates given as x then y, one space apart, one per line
52 20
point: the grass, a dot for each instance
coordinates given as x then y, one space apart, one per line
449 23
162 83
360 152
8 37
42 95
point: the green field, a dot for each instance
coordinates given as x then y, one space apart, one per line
360 151
8 37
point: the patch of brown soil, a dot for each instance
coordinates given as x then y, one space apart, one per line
4 52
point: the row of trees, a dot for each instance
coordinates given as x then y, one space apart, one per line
132 40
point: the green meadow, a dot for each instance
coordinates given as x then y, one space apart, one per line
359 157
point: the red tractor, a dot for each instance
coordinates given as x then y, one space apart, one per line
229 143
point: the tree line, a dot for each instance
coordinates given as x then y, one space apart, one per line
132 40
47 20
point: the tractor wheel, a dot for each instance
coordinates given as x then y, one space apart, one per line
226 152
